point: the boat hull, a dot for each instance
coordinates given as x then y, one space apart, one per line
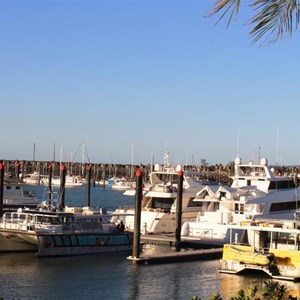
17 242
76 244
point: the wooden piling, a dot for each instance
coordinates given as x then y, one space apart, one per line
2 170
63 172
179 211
88 188
137 216
50 182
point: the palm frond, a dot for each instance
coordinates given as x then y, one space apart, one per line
275 19
227 5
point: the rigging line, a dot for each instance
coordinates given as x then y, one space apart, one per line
79 147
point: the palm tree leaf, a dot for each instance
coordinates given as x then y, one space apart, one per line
226 5
275 19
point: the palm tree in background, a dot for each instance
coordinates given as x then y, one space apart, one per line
273 19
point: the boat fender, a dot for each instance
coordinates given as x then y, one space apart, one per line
270 256
185 229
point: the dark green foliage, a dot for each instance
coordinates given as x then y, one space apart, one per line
272 291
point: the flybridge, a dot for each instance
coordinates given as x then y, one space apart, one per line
260 175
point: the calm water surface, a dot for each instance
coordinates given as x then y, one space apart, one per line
24 276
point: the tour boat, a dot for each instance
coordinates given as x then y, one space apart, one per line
74 231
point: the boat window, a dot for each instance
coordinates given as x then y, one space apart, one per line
164 203
54 220
165 178
282 238
284 184
282 206
192 203
239 208
18 188
8 187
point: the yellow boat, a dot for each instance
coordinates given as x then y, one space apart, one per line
245 254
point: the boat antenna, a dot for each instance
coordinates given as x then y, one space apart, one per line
277 147
167 158
186 156
54 152
33 159
238 142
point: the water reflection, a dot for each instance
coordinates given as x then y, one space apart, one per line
253 279
24 276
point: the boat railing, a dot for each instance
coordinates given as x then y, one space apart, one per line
47 229
126 207
15 224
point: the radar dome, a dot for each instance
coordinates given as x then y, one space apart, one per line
238 161
178 168
264 161
157 167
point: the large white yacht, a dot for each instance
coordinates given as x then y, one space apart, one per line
158 213
256 192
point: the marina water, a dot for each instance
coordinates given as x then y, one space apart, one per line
24 276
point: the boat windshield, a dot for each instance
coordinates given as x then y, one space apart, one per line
165 178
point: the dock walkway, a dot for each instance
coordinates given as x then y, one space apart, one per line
182 256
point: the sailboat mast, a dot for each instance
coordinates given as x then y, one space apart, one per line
131 169
33 152
82 159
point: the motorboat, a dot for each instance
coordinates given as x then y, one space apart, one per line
73 231
16 196
158 208
70 181
123 184
109 182
270 246
35 178
256 192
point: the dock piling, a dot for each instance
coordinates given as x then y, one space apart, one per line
63 171
137 215
50 182
178 211
88 189
2 170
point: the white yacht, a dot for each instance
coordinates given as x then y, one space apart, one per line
70 181
256 192
123 184
158 213
35 178
15 196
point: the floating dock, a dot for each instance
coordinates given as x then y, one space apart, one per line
182 256
169 240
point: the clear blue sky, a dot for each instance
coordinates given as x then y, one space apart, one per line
152 74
